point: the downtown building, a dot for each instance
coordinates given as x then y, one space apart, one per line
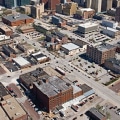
99 54
15 3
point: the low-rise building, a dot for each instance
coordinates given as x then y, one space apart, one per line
27 79
17 20
13 110
40 57
70 48
113 64
6 30
82 44
21 62
111 32
87 28
9 51
26 9
110 24
94 114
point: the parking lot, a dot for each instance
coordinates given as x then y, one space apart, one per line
110 109
89 67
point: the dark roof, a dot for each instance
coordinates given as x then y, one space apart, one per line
52 86
3 90
33 76
94 113
13 18
59 34
8 49
39 55
114 61
85 88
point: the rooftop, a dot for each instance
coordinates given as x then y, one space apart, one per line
85 88
95 112
114 61
3 115
76 89
13 109
70 46
51 72
112 29
54 86
33 76
3 90
21 61
104 47
13 18
5 28
88 24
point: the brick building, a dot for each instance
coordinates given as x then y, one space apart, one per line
6 30
53 92
101 52
16 20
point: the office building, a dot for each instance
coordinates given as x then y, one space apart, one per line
106 5
6 30
117 14
67 8
84 13
101 52
16 20
10 3
23 2
2 2
37 10
87 28
26 9
94 4
53 92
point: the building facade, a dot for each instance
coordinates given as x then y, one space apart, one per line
101 53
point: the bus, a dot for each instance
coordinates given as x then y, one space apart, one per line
58 69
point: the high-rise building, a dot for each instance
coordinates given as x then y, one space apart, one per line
94 4
14 3
2 2
117 14
106 5
52 4
10 3
23 2
37 10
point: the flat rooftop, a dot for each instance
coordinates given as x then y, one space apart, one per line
5 28
53 86
16 17
85 88
112 29
70 46
21 61
104 47
51 72
13 109
3 115
95 112
87 25
76 89
33 76
114 61
86 9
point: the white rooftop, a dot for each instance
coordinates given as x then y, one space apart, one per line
89 24
21 61
86 9
112 29
70 46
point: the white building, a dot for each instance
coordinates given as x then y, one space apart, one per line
4 37
21 62
70 48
